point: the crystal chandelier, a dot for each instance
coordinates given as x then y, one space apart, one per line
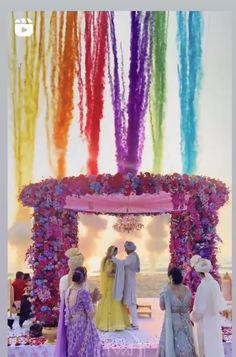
128 223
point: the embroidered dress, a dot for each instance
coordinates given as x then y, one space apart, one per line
177 333
77 334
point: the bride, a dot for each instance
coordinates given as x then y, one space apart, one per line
111 314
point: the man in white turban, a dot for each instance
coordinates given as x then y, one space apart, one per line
76 260
208 303
125 280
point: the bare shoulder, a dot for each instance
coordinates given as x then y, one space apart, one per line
186 289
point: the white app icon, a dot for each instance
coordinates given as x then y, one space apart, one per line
23 27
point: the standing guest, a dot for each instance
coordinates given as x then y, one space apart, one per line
226 287
25 307
111 314
28 281
77 334
27 278
18 285
125 281
75 260
208 304
177 333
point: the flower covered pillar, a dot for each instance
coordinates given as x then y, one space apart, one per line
203 239
194 232
54 231
180 227
182 245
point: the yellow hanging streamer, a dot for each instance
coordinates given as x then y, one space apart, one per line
25 88
50 62
50 87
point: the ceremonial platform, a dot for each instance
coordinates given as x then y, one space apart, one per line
128 343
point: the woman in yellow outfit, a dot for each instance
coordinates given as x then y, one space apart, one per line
111 314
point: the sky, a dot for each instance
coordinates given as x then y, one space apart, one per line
214 154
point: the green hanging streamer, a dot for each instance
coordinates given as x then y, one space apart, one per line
158 86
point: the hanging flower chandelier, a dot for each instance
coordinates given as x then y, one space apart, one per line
128 223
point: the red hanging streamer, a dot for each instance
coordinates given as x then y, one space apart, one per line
96 33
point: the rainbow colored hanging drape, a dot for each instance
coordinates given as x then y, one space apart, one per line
70 65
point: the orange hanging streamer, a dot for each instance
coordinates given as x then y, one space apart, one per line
96 34
67 58
80 80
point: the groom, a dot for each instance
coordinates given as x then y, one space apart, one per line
126 283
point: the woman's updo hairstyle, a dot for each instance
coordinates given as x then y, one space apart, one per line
79 275
176 275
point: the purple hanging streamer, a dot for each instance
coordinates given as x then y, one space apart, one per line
145 78
130 145
120 133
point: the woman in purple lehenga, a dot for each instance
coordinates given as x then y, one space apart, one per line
77 335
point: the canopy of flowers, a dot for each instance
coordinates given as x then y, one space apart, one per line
52 192
192 231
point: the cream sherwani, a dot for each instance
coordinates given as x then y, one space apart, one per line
63 285
207 304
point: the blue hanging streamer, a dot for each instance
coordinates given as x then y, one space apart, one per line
189 40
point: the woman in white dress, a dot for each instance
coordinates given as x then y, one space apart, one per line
208 304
